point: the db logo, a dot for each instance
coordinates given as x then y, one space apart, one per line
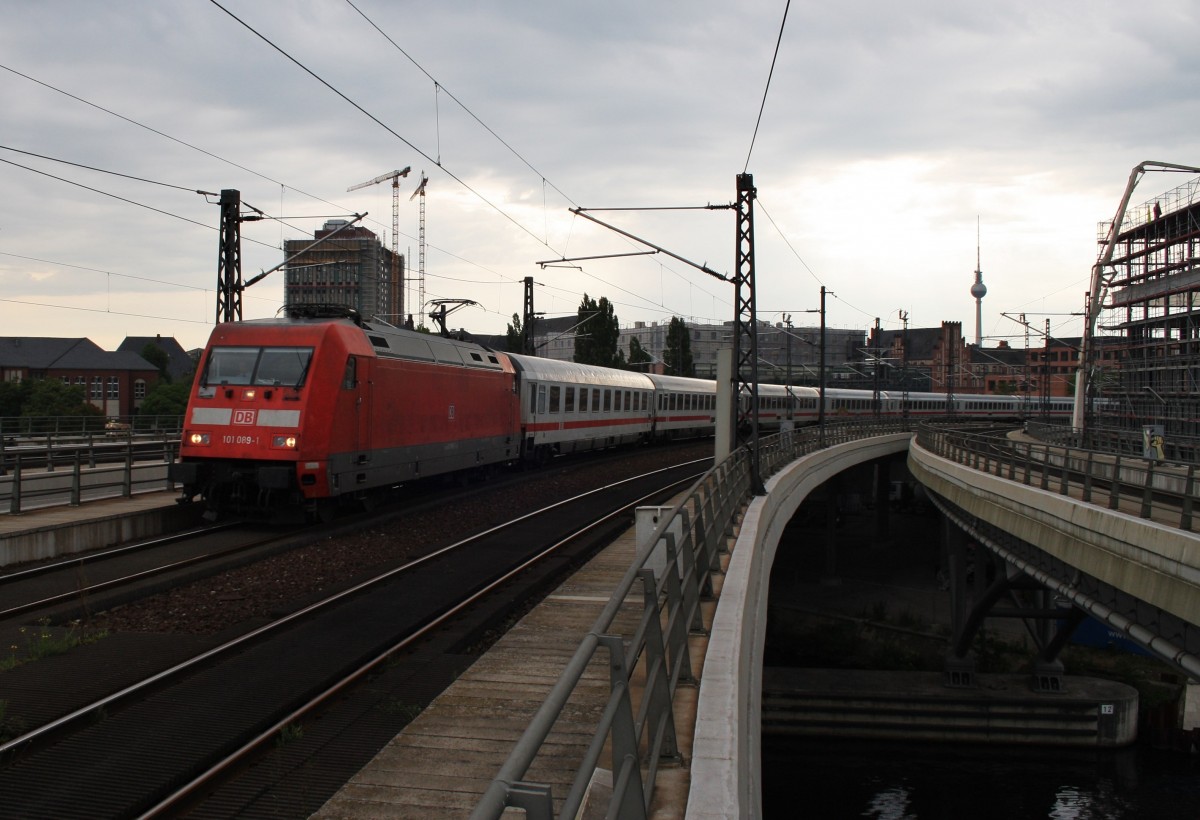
244 416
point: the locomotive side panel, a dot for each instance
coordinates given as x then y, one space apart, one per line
428 418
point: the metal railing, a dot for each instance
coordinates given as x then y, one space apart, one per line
1124 440
59 472
636 729
17 427
1165 492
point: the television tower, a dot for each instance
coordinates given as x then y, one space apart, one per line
978 290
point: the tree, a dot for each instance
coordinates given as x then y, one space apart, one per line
159 358
166 399
599 334
513 336
677 355
12 397
51 397
639 359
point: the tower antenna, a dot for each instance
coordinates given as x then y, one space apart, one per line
978 290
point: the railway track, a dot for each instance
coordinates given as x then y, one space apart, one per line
172 738
63 589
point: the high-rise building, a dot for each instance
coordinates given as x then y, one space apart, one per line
350 269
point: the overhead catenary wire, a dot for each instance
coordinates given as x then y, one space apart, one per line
134 202
283 186
501 278
441 88
767 88
377 121
391 131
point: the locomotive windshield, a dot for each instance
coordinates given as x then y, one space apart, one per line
266 366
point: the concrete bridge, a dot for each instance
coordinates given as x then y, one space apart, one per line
1139 575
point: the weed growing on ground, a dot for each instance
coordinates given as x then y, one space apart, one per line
9 727
41 641
408 711
289 734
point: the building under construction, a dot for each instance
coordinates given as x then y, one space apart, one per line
1152 314
352 269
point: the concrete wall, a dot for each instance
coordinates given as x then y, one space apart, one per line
726 764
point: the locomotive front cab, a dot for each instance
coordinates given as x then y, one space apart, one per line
242 438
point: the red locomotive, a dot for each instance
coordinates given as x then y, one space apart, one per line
290 413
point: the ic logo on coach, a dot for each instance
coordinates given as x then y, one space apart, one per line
244 416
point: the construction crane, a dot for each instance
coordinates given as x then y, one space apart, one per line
396 285
421 240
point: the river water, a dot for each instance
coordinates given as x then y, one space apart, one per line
833 779
821 780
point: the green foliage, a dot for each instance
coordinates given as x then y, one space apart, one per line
41 641
513 341
159 358
50 397
166 399
289 734
599 334
12 397
677 355
639 359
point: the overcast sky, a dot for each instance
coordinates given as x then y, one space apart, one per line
890 131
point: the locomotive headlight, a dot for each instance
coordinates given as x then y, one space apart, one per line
284 442
248 395
199 439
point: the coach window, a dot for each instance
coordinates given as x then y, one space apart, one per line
626 400
541 399
533 391
583 399
596 391
554 391
607 400
569 400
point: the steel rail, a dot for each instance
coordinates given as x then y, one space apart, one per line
89 557
114 583
83 713
185 792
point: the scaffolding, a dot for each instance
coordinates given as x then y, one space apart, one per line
1152 316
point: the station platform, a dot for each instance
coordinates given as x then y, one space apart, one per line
49 532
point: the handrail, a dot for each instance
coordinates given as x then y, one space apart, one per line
1176 448
105 467
41 426
1164 491
641 735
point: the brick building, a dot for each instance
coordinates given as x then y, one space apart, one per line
115 382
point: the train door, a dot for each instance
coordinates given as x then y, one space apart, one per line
354 405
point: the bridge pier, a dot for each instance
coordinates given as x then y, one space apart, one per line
960 665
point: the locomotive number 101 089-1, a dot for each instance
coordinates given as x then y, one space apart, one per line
239 439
